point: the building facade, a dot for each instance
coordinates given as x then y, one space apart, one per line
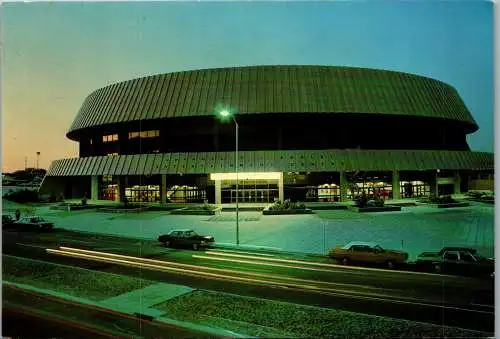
305 133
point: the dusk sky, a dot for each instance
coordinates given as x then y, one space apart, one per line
55 54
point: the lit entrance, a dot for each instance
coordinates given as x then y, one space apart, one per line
249 191
252 187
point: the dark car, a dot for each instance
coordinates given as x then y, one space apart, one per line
7 220
457 260
33 223
185 238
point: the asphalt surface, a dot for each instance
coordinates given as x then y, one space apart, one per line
439 299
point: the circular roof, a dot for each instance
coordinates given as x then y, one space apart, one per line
272 89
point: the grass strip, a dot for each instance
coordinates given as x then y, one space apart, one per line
74 281
232 312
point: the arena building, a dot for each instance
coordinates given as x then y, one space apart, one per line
308 133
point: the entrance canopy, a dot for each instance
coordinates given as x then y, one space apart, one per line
246 176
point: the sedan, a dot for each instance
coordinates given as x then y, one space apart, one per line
457 260
33 223
185 238
7 220
368 252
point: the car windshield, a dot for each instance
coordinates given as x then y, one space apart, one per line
377 248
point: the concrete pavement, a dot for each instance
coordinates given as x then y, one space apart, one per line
414 229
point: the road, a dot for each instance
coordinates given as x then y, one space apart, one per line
439 299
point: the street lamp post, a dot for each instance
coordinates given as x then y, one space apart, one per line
226 113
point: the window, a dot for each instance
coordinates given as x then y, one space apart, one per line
452 256
109 137
144 134
360 248
466 256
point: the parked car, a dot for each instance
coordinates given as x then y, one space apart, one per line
368 252
7 220
457 260
185 238
33 223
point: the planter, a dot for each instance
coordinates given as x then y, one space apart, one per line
387 208
328 207
451 205
286 212
124 209
404 204
485 201
243 208
191 211
72 207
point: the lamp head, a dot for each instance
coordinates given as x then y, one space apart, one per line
224 113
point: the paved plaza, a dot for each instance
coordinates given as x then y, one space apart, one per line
414 229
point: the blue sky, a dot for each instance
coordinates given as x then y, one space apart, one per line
55 54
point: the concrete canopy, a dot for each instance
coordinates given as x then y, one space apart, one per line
272 161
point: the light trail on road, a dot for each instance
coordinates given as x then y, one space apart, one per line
324 288
220 253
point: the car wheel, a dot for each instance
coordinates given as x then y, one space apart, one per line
390 264
345 261
195 247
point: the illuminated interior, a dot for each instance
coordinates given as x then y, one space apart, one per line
246 176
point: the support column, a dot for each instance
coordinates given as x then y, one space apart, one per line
122 185
94 188
281 188
434 183
343 186
396 187
218 192
163 189
456 183
119 189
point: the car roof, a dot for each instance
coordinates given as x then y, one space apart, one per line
360 243
472 250
182 230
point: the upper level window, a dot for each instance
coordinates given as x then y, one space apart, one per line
110 137
144 134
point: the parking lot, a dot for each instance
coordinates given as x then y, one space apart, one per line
414 229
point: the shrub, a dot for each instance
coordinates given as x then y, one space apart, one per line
442 199
286 205
22 196
364 200
476 195
361 200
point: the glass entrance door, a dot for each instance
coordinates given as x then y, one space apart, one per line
250 191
